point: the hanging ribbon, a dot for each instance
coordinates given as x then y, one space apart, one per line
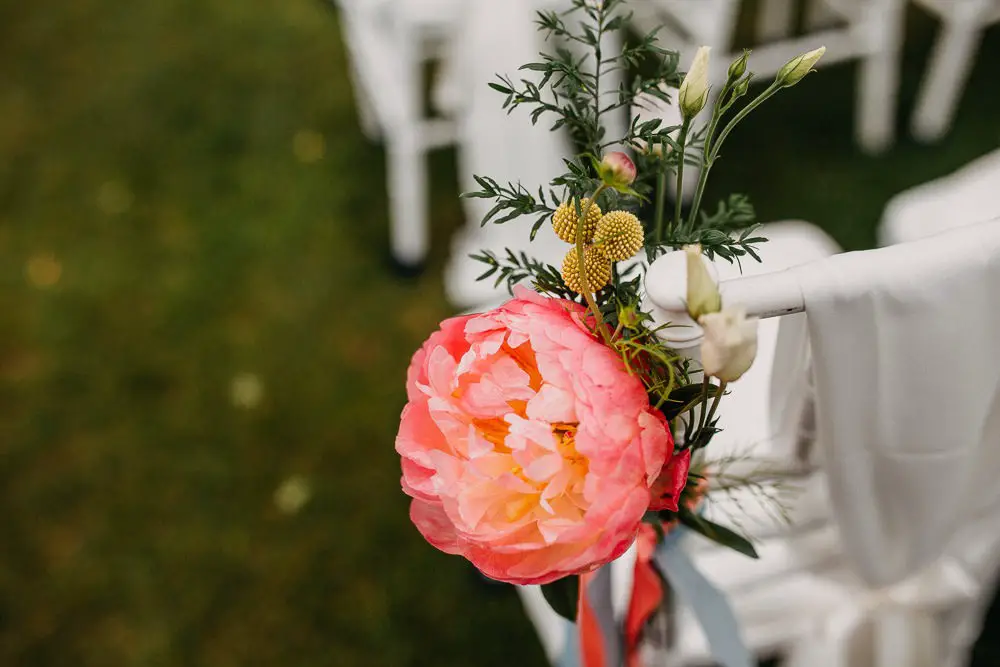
603 643
709 605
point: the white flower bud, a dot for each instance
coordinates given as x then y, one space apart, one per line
796 68
730 343
693 94
702 292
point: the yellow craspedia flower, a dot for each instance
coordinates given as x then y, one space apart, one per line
598 269
565 218
619 235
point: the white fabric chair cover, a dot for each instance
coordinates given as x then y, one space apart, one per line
906 348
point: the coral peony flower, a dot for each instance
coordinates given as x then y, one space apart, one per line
526 445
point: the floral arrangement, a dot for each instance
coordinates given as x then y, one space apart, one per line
543 438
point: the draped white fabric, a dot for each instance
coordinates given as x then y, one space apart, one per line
906 353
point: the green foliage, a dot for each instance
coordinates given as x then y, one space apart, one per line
719 534
514 268
728 232
562 596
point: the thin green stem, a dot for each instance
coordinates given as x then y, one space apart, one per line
706 163
679 194
597 79
711 150
582 267
704 402
661 200
715 405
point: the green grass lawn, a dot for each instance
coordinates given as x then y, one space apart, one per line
185 199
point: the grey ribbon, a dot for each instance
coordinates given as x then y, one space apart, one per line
599 595
708 603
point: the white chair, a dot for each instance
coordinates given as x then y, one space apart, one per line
963 24
869 31
930 582
967 196
390 43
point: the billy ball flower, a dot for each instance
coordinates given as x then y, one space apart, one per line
565 219
598 268
619 235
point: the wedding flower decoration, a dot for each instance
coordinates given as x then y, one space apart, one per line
542 438
527 447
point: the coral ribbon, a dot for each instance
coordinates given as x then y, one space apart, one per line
592 650
647 596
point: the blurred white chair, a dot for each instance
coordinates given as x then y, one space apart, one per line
867 30
963 24
390 43
967 196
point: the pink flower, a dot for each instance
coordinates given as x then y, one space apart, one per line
526 445
617 169
670 484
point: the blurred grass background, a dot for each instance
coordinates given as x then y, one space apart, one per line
202 344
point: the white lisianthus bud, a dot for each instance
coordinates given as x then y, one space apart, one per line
702 292
617 170
730 343
796 68
693 94
739 66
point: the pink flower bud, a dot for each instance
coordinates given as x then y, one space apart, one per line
617 169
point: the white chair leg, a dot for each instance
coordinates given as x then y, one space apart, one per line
948 72
775 20
878 86
408 182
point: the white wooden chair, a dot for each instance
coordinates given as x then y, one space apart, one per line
962 25
390 43
867 30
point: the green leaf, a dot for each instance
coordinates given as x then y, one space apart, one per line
684 398
562 596
719 534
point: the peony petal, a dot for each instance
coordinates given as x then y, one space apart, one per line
552 404
435 526
544 468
